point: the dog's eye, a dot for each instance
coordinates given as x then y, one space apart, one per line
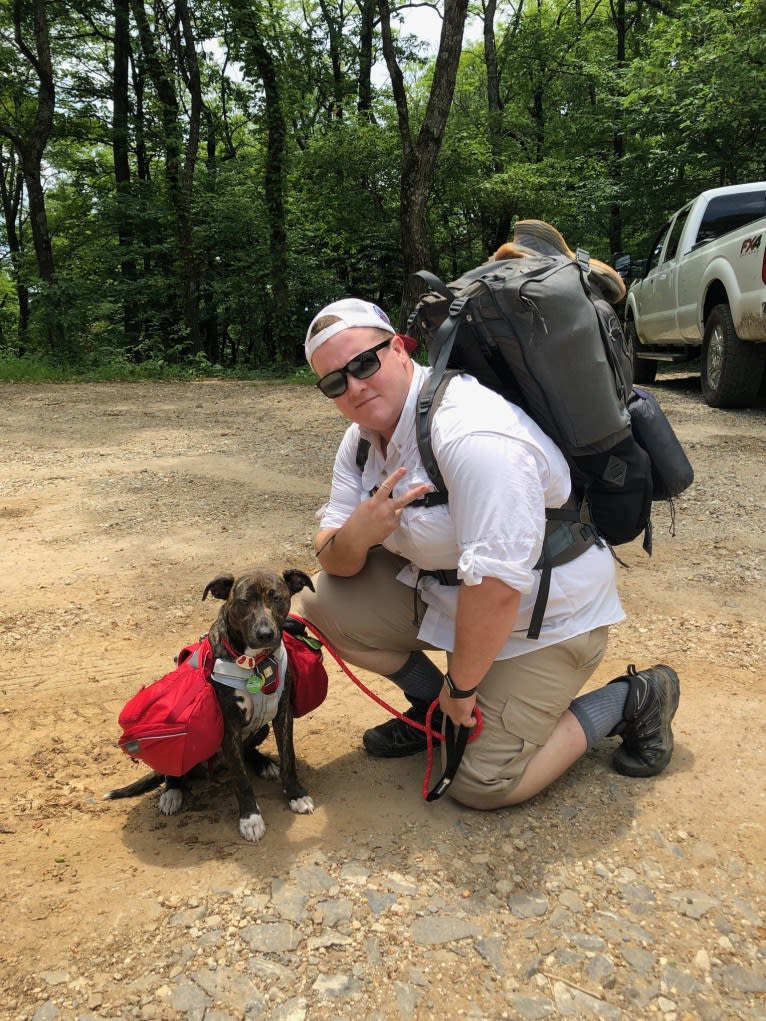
273 595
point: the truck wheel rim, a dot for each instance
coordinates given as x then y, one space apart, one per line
715 357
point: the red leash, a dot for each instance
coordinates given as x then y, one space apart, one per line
456 742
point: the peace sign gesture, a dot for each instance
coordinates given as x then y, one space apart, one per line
384 509
344 550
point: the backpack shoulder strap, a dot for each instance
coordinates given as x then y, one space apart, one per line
362 453
433 283
442 345
429 400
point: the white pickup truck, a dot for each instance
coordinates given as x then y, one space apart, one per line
704 291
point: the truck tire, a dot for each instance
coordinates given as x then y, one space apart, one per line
732 369
644 369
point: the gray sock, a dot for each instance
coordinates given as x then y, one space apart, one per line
599 712
419 678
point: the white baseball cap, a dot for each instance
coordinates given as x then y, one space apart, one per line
349 313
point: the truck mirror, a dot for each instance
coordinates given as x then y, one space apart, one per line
622 263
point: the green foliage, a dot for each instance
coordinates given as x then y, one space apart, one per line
696 99
344 231
601 148
9 314
46 370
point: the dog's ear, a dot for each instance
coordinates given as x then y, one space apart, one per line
296 580
220 587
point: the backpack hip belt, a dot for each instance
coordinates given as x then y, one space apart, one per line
567 536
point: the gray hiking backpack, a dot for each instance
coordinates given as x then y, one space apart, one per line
537 330
531 329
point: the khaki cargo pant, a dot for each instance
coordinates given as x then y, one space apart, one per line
521 699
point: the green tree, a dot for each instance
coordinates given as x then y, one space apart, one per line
26 120
420 144
11 192
169 72
697 97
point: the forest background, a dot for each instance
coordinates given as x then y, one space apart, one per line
186 182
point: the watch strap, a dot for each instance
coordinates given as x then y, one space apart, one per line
456 692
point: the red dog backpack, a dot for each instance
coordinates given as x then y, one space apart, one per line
175 723
304 653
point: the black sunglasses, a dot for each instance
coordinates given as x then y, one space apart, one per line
361 366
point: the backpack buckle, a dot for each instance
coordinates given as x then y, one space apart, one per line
456 307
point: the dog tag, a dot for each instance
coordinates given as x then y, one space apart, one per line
263 677
254 684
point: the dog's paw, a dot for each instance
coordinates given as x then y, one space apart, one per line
170 801
252 827
267 769
302 806
261 764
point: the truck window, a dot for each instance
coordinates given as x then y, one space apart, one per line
654 258
727 212
675 234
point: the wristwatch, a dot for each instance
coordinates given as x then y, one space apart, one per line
458 692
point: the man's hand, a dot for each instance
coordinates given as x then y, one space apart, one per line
379 516
344 551
459 710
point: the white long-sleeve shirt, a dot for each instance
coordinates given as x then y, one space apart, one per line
501 472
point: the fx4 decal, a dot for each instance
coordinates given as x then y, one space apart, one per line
750 245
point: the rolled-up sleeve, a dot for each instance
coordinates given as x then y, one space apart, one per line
346 491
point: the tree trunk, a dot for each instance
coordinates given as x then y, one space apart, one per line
30 142
419 155
335 36
494 102
122 174
494 229
274 185
209 325
188 62
618 140
366 34
179 173
278 333
11 192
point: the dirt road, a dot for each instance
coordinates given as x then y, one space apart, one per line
117 504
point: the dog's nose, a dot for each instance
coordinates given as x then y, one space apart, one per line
265 634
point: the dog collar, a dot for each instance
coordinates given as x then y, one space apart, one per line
241 658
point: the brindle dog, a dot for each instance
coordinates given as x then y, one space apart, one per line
248 627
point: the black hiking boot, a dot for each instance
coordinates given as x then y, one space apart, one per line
395 739
647 737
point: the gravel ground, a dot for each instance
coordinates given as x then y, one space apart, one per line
603 897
